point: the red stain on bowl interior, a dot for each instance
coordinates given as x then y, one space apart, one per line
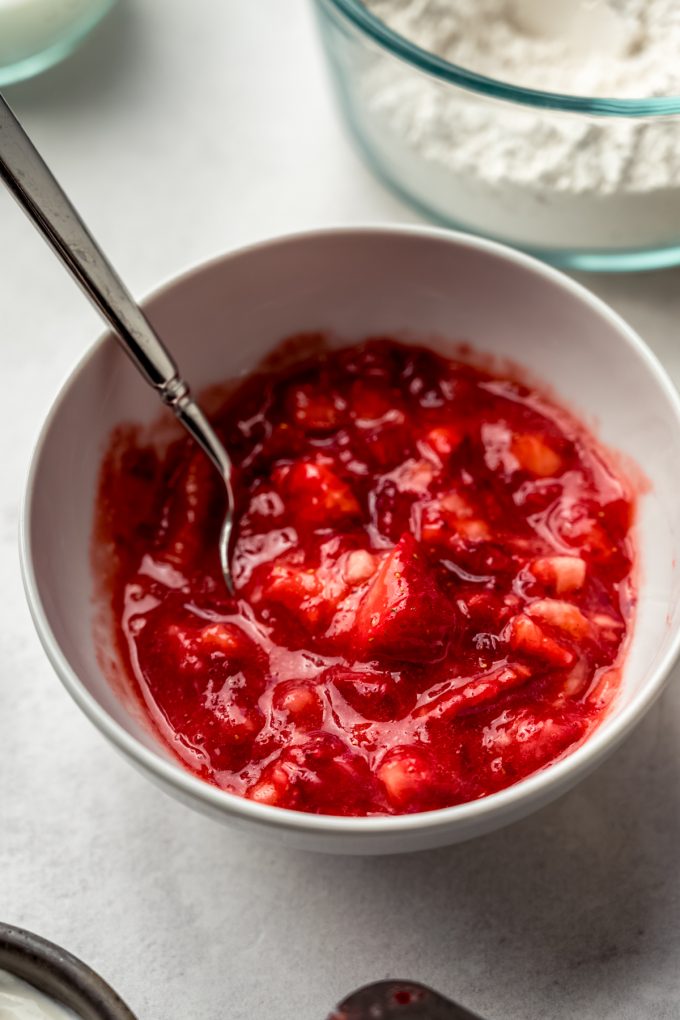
433 566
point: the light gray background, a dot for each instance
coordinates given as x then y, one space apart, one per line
183 128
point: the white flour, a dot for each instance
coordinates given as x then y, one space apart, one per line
542 179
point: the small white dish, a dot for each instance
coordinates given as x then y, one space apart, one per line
428 285
37 34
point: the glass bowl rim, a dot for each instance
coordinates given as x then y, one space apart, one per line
378 32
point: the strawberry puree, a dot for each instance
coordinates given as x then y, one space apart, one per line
433 584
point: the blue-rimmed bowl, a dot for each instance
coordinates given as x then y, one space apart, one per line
36 34
378 73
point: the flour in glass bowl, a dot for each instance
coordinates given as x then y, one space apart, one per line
538 178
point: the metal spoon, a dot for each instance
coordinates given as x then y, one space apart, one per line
33 185
399 1000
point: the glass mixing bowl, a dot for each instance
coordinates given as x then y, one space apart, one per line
392 94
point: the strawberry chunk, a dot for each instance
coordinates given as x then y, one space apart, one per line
525 635
413 476
490 610
372 402
442 441
314 410
271 789
559 574
586 528
409 777
522 740
298 701
240 722
385 447
450 518
226 638
398 495
302 592
378 696
189 511
321 775
563 615
291 585
510 451
535 456
317 495
609 628
382 435
194 648
403 615
313 594
359 565
482 690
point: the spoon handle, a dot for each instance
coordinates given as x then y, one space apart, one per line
30 180
35 188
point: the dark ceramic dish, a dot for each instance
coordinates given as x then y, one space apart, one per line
59 975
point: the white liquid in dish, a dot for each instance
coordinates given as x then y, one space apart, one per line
21 1001
28 27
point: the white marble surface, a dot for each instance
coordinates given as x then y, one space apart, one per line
183 129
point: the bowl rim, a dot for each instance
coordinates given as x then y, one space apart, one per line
378 32
542 785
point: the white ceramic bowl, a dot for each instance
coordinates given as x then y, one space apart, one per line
422 283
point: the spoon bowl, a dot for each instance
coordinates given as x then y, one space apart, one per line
399 1000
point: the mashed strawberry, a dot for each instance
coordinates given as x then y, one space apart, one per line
433 584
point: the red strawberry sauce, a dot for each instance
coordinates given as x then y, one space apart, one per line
433 572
